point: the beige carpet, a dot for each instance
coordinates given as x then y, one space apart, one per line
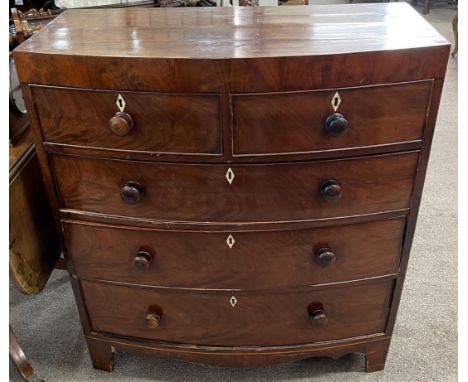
424 346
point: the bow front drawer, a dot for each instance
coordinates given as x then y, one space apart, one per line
234 259
239 318
129 121
329 120
237 193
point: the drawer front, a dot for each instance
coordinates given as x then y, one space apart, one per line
162 123
256 193
247 260
267 319
288 123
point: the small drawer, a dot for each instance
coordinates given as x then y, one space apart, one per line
239 260
239 318
130 121
327 120
237 193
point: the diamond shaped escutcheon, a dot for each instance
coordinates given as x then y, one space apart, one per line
230 175
120 103
336 100
233 301
230 241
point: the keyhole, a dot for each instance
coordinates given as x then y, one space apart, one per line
230 241
120 102
230 175
335 102
233 301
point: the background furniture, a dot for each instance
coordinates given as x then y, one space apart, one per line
34 247
240 210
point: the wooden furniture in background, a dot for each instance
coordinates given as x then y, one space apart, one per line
252 204
19 358
34 247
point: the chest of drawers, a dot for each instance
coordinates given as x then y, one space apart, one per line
240 186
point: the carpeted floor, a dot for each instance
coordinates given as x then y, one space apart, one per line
424 346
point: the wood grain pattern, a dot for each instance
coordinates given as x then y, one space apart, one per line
275 123
171 123
234 53
258 318
258 259
232 33
237 76
33 243
280 192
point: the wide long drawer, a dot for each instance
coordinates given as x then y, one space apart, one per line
236 318
241 259
334 119
236 193
145 121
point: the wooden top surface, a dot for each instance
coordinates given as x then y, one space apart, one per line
241 32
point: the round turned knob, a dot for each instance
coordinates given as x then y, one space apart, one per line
142 260
152 320
319 317
132 192
330 191
121 124
336 124
325 257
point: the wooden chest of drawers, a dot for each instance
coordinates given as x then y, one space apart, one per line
236 186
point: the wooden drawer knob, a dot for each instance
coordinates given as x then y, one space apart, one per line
142 260
325 257
330 191
319 317
153 319
132 192
336 124
121 124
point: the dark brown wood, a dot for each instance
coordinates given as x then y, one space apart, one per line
204 260
131 192
308 44
258 245
336 124
18 124
325 257
19 358
304 32
416 200
139 155
253 320
330 191
33 243
376 358
247 357
297 122
101 353
172 123
121 124
198 193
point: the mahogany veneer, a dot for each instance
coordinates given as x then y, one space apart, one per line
237 187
